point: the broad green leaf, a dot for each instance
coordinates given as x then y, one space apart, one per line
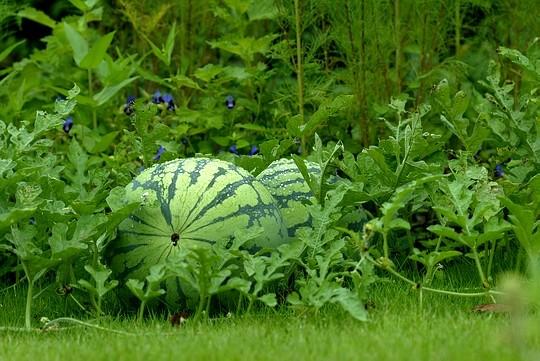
14 215
268 299
208 72
447 232
38 16
97 52
352 304
78 44
63 249
260 10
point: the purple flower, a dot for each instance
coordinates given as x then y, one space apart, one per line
499 171
230 102
233 149
128 107
68 124
159 152
254 150
156 97
168 99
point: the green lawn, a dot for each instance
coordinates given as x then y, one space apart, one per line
444 329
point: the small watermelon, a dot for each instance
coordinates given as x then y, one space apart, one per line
290 190
186 202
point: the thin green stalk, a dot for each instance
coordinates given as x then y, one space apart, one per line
485 283
416 285
457 26
28 309
385 245
91 93
364 124
490 261
397 34
200 308
299 68
29 298
140 314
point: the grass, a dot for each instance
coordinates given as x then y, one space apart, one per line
445 328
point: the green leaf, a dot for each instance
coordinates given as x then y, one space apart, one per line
447 232
104 142
352 304
169 44
14 215
157 51
184 81
38 16
109 91
4 54
260 10
525 225
269 299
101 285
96 54
136 287
78 44
63 249
81 5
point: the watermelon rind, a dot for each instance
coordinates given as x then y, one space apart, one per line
290 190
188 203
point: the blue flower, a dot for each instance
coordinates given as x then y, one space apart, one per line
68 124
254 150
168 99
156 97
233 149
499 171
230 102
159 152
128 107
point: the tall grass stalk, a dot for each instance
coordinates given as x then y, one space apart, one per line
299 65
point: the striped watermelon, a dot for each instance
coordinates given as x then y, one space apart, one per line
186 202
291 192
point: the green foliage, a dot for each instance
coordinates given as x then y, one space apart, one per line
428 144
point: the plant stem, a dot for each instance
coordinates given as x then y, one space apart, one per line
397 34
28 309
29 298
434 290
200 308
91 93
457 26
385 245
140 314
299 68
490 261
485 283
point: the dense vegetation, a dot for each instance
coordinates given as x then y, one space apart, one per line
423 117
